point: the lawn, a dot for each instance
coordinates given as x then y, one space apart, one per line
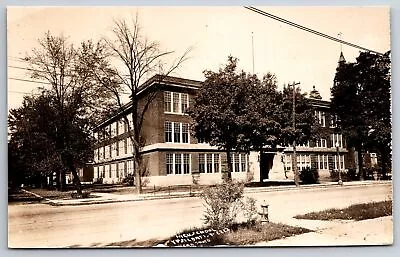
15 196
353 212
237 235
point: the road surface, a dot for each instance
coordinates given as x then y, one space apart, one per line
41 225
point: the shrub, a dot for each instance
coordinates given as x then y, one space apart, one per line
309 176
250 210
85 194
98 181
222 203
129 180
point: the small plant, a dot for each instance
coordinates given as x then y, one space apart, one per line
309 176
250 210
222 203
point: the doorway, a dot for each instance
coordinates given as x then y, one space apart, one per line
266 163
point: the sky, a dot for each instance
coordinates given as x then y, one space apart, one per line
213 33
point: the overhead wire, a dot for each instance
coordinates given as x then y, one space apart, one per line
251 8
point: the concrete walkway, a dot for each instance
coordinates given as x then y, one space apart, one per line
377 231
101 198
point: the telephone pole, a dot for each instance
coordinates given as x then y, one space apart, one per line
294 158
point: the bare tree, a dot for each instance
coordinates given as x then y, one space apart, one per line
139 59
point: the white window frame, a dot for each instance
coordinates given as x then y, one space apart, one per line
181 164
179 110
180 127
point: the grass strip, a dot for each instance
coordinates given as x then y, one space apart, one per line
354 212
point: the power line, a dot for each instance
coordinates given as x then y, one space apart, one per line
308 29
20 92
32 81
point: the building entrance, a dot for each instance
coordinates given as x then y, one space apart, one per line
266 163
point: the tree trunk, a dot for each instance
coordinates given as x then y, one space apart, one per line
58 180
230 168
360 163
77 182
62 180
138 173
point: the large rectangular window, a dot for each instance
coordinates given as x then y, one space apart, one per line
321 143
185 133
239 162
113 129
176 132
107 151
167 102
101 171
323 162
177 163
170 163
121 126
184 103
168 131
114 148
216 163
175 102
202 163
130 167
209 163
337 138
236 165
209 166
186 163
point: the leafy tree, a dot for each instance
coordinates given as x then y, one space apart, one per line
306 127
73 100
32 147
135 58
220 110
361 101
236 111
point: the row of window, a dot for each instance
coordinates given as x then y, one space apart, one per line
180 163
320 115
114 170
304 161
322 142
116 128
175 102
113 150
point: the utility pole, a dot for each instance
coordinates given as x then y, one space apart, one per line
252 49
294 158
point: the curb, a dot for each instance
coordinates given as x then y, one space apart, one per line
196 194
309 187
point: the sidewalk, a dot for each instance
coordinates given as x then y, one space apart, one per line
101 198
377 231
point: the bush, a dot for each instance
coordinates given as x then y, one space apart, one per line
98 181
250 210
129 180
309 176
85 194
222 203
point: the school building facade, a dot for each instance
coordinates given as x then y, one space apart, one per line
172 156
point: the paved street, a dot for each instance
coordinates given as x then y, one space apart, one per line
41 225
